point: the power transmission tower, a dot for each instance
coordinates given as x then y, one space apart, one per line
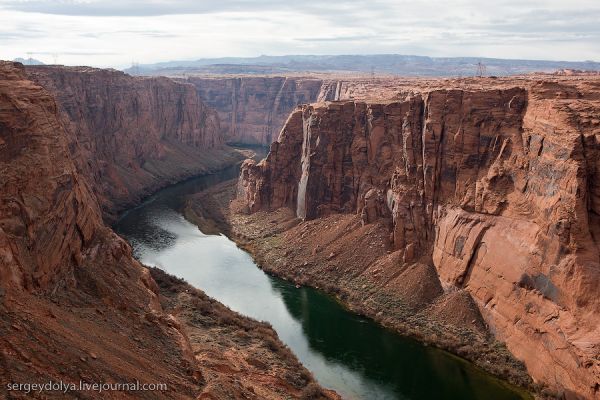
135 68
480 70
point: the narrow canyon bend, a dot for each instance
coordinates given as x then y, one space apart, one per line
428 216
75 305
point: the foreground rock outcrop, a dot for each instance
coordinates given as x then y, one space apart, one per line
75 306
491 184
130 136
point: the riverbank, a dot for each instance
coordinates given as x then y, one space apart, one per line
237 357
336 254
226 354
159 174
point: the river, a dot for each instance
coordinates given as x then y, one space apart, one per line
347 353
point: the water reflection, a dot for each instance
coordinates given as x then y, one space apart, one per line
415 371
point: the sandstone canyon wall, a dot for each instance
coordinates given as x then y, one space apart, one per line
252 110
60 267
133 135
494 183
75 306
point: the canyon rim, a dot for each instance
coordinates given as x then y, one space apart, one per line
184 218
464 185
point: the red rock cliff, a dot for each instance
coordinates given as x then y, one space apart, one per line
133 135
497 188
68 284
42 193
253 109
75 306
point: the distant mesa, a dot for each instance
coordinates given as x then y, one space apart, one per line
381 64
28 61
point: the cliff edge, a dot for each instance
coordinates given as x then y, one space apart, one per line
492 183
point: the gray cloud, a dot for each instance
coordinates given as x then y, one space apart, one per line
141 8
534 17
155 30
149 34
342 38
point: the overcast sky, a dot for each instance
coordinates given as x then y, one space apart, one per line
117 32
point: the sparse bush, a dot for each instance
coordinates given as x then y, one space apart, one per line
202 306
311 391
305 375
166 281
272 344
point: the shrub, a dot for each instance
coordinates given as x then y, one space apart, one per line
311 391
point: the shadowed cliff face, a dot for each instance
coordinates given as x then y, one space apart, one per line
49 215
496 188
130 135
252 110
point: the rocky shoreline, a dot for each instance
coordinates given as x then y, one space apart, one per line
75 305
297 251
236 356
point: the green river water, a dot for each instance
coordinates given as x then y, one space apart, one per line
347 353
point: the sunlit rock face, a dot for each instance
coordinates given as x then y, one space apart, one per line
496 186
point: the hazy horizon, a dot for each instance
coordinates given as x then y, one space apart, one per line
116 33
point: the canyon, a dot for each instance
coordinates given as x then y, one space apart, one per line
459 211
130 136
253 109
76 146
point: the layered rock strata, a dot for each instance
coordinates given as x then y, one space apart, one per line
130 136
75 306
252 110
496 188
